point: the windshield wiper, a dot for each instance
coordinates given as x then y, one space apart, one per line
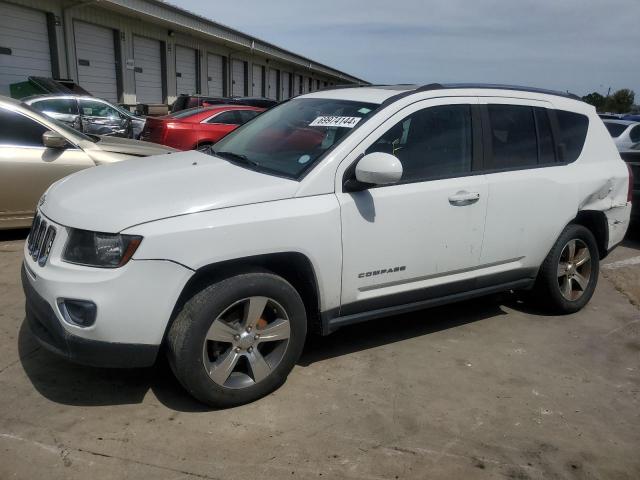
236 157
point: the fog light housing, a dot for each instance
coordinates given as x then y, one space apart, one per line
78 312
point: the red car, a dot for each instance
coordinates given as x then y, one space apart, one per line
197 128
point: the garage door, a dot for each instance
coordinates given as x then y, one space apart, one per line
285 81
238 75
272 88
185 70
258 81
96 60
297 84
24 45
215 75
148 69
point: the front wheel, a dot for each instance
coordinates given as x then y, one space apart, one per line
568 277
238 339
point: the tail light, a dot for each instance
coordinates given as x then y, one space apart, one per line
630 191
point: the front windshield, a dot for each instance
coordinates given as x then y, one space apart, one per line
289 139
62 126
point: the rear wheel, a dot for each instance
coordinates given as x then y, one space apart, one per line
204 147
238 339
569 274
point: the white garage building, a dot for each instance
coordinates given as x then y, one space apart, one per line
147 51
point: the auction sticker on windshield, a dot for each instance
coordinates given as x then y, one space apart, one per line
335 121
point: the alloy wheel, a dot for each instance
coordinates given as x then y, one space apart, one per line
246 342
574 269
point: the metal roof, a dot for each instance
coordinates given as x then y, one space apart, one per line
171 14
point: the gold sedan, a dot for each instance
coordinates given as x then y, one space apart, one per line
36 150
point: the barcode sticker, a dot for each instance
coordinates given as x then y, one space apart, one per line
335 121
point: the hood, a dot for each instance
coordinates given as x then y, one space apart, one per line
127 146
113 197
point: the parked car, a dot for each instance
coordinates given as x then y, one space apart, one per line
36 150
89 114
625 133
197 128
184 102
632 117
331 209
609 116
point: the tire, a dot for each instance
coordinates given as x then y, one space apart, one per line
565 285
199 352
204 147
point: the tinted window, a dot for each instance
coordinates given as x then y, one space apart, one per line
546 147
615 129
91 108
432 143
573 132
16 129
66 106
513 136
634 134
229 117
246 115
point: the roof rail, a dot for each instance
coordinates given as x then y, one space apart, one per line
491 86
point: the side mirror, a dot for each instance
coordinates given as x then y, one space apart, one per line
379 168
52 139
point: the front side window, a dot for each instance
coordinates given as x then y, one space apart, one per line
92 108
435 142
24 132
66 106
513 136
290 138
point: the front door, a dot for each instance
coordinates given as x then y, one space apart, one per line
423 236
100 118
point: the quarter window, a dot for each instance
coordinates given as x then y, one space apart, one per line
435 142
24 132
513 136
573 132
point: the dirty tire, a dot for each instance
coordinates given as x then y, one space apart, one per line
547 291
186 337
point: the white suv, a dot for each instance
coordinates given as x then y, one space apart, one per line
331 209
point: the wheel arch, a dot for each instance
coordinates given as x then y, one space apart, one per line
294 267
596 222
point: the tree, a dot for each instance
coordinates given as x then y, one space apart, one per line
620 102
595 99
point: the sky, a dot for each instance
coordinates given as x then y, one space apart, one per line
576 45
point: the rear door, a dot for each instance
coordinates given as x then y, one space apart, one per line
96 60
27 168
530 190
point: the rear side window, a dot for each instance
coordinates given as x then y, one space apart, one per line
546 146
615 129
66 106
513 136
572 132
24 132
229 118
634 134
246 115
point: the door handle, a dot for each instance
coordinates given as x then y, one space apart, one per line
463 198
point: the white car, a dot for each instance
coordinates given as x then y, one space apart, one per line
625 133
331 209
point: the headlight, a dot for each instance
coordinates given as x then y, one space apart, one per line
96 249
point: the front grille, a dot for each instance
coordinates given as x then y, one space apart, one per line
40 240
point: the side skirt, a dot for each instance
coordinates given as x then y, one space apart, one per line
332 320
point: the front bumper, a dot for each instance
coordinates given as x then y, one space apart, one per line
50 333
